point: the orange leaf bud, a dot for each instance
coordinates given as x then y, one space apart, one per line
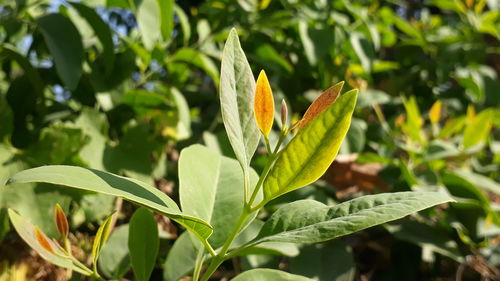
264 104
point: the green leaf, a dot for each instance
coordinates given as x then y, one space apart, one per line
237 90
312 150
414 120
107 183
166 9
65 45
100 239
143 243
150 22
27 232
181 259
478 129
426 236
332 261
479 180
32 201
101 30
31 73
452 127
114 260
4 223
211 188
309 221
197 59
184 22
268 274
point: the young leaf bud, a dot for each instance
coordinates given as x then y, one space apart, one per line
61 221
284 113
264 104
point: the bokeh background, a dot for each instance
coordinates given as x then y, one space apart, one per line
124 85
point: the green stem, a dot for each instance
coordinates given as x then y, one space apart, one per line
221 256
245 213
199 264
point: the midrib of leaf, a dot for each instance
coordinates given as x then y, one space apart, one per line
384 208
344 112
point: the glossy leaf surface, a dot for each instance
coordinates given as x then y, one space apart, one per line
312 150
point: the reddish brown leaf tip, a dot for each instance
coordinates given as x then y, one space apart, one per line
61 221
43 241
321 103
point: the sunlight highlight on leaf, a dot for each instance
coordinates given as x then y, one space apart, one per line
264 104
435 112
321 103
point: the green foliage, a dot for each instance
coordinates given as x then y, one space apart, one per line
123 87
143 243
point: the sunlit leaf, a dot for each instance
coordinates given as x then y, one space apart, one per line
321 103
309 221
312 150
264 104
435 112
107 183
100 239
237 90
478 128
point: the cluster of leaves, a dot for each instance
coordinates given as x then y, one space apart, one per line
122 85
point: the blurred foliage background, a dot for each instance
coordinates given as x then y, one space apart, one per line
124 85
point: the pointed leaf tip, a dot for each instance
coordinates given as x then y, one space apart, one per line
321 103
61 221
264 104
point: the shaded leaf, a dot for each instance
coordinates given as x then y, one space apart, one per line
102 31
143 243
181 259
268 274
114 260
65 45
